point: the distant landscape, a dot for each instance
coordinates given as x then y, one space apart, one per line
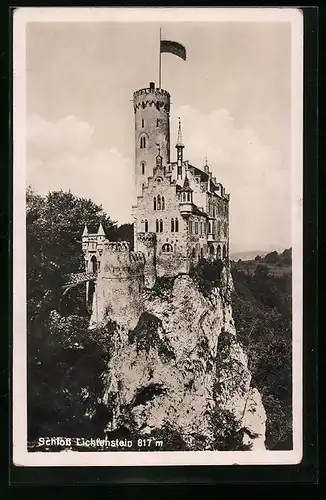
262 309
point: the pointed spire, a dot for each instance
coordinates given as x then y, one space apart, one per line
100 231
85 232
179 143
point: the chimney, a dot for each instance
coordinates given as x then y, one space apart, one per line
152 85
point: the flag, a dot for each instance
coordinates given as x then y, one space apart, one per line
173 48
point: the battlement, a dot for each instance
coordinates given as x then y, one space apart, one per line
120 263
116 246
148 239
151 96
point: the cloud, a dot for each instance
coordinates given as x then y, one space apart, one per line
253 174
61 156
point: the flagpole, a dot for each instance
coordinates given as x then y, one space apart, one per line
160 62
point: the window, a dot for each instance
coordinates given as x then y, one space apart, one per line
194 252
163 203
158 202
196 227
190 227
161 226
188 196
157 122
176 225
142 122
158 106
154 201
172 225
201 229
143 142
143 185
210 228
146 226
156 222
225 229
167 248
94 264
143 166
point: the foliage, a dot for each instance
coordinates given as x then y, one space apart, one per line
65 378
65 360
207 274
262 308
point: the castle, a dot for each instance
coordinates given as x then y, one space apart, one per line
181 214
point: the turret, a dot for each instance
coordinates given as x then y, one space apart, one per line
152 127
180 147
185 197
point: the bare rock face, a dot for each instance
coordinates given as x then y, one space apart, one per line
181 374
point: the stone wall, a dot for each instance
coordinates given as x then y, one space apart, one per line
119 287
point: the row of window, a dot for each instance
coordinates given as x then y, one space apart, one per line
159 225
202 228
185 196
159 202
220 208
143 122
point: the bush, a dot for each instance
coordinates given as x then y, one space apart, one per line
207 274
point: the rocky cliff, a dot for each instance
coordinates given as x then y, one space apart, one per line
181 375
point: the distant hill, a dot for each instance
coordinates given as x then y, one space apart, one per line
248 255
251 254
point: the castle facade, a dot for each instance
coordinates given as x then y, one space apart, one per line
181 214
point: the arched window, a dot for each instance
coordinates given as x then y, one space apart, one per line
94 264
156 225
225 229
201 252
161 226
163 203
224 252
146 226
143 142
188 197
154 201
143 166
194 252
158 106
210 228
176 225
167 248
172 225
158 202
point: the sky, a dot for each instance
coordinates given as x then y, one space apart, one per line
233 95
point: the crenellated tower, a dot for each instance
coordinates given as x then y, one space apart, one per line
152 129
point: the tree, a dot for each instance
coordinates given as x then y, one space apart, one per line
286 257
54 235
258 257
272 257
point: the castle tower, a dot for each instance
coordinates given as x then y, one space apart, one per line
152 127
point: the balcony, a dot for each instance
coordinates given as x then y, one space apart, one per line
186 208
211 237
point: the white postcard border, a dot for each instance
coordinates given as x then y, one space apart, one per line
21 17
